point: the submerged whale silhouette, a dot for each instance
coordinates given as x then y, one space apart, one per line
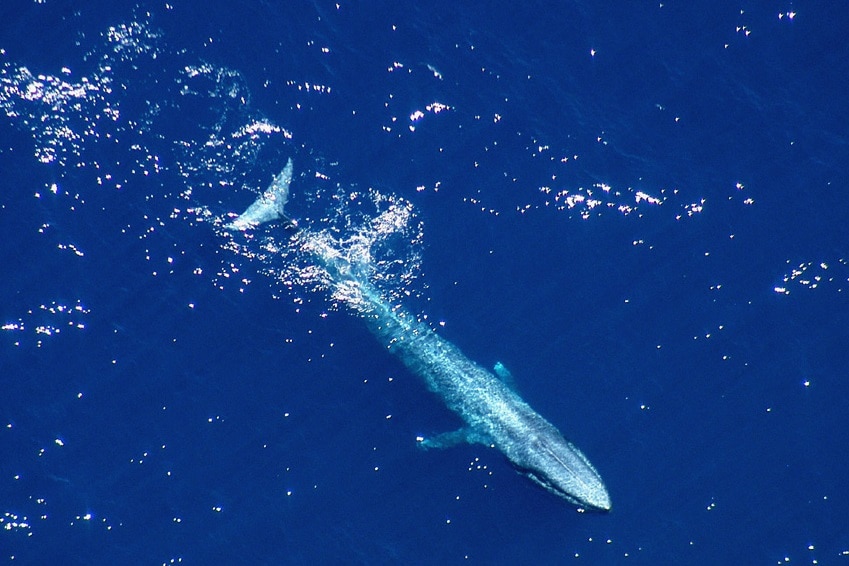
494 413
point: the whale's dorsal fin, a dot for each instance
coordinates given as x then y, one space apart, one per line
268 207
505 376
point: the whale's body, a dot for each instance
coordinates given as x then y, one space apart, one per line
495 415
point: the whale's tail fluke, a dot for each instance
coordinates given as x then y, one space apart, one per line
268 207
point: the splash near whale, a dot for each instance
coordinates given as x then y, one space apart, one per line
494 413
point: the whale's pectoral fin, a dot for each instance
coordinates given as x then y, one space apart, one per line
451 439
269 205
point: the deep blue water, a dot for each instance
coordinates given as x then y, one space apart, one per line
640 209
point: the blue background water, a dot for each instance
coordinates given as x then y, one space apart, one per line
697 350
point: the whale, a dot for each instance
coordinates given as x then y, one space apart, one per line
494 413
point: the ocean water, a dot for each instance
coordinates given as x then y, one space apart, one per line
639 209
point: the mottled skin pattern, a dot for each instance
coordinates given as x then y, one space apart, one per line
494 413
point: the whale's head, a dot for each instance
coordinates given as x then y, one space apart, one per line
555 464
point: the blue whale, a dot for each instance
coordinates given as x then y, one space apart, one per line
494 413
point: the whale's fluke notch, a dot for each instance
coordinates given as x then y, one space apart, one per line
268 207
